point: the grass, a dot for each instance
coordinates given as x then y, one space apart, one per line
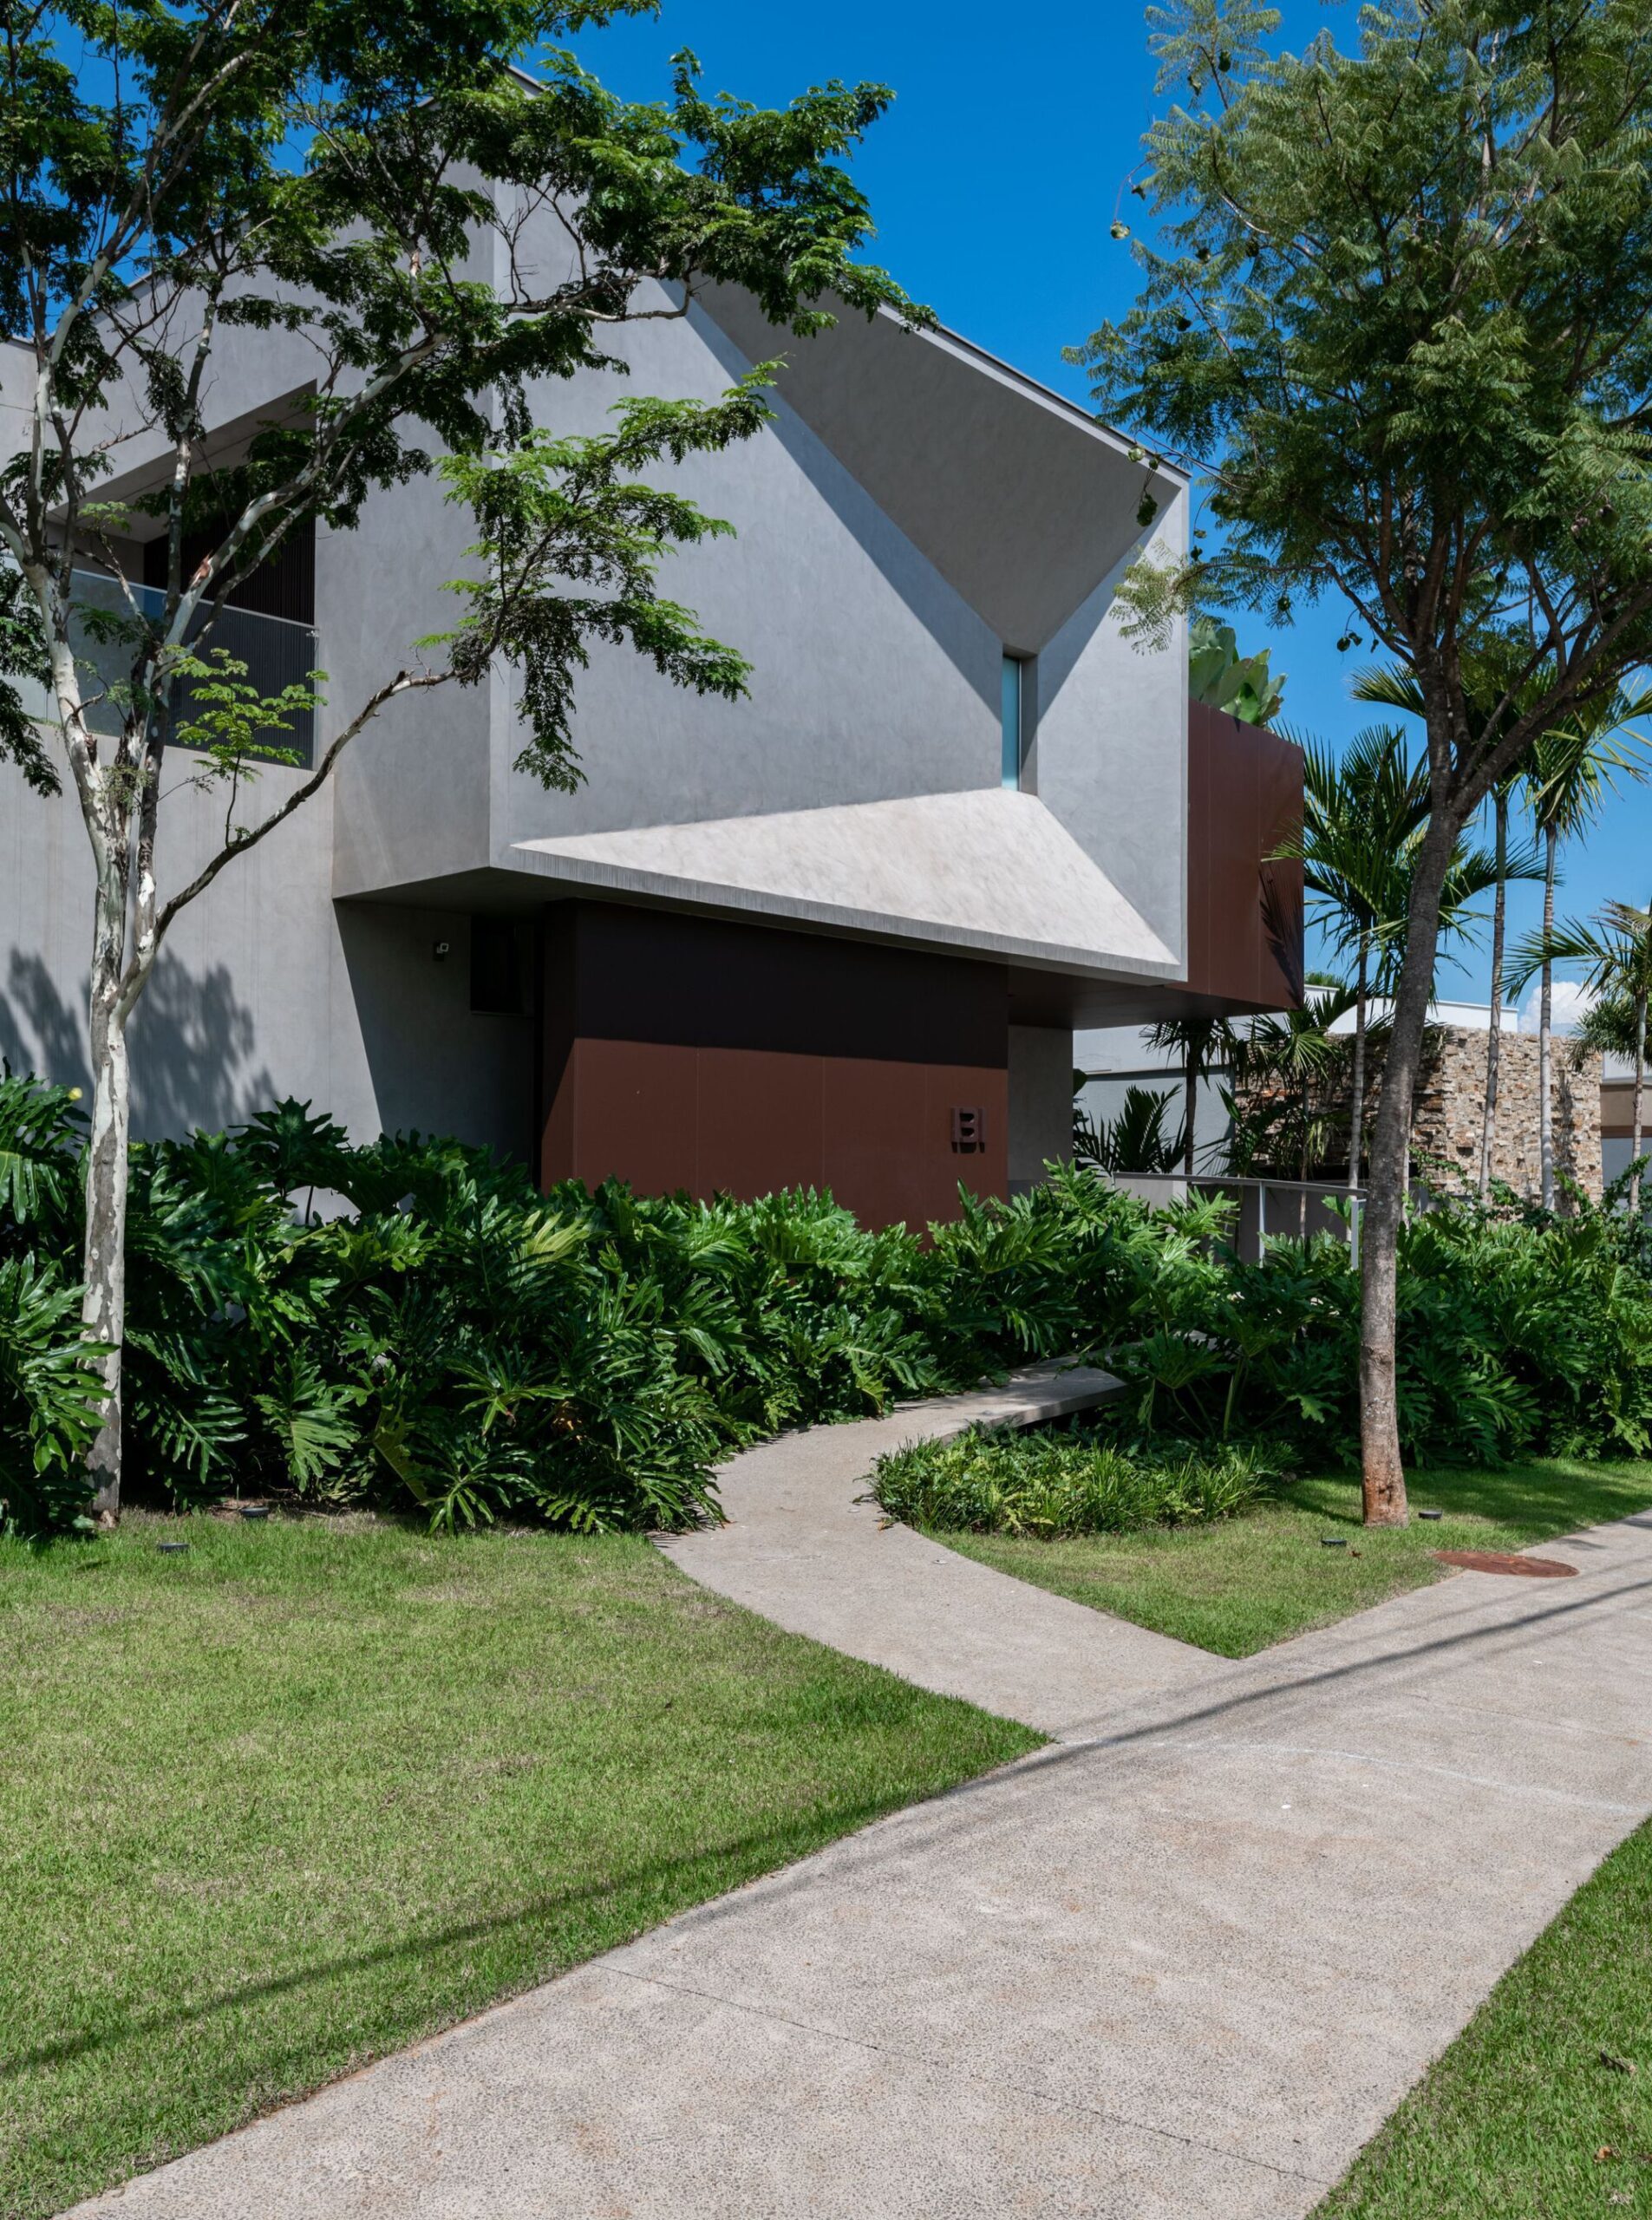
1542 2108
1237 1585
318 1787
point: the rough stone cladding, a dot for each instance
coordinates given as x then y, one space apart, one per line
1451 1109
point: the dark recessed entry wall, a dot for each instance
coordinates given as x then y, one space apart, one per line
686 1051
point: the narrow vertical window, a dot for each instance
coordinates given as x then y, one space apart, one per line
1012 716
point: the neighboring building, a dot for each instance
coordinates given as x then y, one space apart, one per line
839 933
1616 1117
1119 1057
1591 1120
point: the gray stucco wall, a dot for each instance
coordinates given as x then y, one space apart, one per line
1110 758
265 987
1040 1101
872 679
239 1009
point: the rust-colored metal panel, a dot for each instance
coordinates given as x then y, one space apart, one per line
711 1090
890 1153
636 1114
873 1135
1244 914
760 1122
985 1170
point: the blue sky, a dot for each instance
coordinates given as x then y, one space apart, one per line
994 178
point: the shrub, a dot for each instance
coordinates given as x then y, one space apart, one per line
49 1385
1050 1485
460 1345
1518 1334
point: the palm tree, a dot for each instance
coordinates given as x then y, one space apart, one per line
1615 954
1502 799
1201 1042
1494 676
1292 1052
1358 814
1572 770
1364 817
1135 1141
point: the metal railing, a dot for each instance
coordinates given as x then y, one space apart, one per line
277 651
1292 1210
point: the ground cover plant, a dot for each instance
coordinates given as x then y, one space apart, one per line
1047 1484
1544 2103
410 1324
1234 1585
298 1795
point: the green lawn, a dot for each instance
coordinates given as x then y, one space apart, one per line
1239 1584
318 1787
1542 2108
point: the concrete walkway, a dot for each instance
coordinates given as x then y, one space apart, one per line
1179 1966
807 1546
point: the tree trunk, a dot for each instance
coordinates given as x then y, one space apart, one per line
1383 1479
1634 1104
1189 1068
1546 1035
104 1269
1356 1088
1493 1046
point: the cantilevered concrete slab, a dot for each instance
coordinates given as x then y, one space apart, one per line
989 870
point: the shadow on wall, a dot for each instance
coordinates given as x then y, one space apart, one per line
192 1045
436 1065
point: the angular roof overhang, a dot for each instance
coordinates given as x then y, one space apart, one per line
988 873
1021 500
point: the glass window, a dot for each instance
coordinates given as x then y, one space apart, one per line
1012 721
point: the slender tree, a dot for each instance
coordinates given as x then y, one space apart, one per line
1282 1068
1614 955
1572 771
1201 1042
1395 688
1358 814
1397 309
1502 795
442 243
1364 819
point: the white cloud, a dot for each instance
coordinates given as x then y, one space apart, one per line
1572 1004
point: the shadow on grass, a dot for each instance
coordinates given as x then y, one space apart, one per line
1534 1619
1557 1497
723 1865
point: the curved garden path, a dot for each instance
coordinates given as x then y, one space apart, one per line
1178 1965
805 1545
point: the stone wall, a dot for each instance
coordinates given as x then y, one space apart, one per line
1451 1109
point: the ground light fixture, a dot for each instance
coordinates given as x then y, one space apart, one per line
1430 1514
171 1549
1332 1542
253 1509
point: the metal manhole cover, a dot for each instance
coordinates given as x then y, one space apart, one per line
1500 1561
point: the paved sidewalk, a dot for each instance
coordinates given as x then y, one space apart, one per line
1177 1966
805 1545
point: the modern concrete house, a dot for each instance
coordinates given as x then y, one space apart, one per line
839 933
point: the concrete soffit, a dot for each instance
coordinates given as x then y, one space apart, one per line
1023 502
988 871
